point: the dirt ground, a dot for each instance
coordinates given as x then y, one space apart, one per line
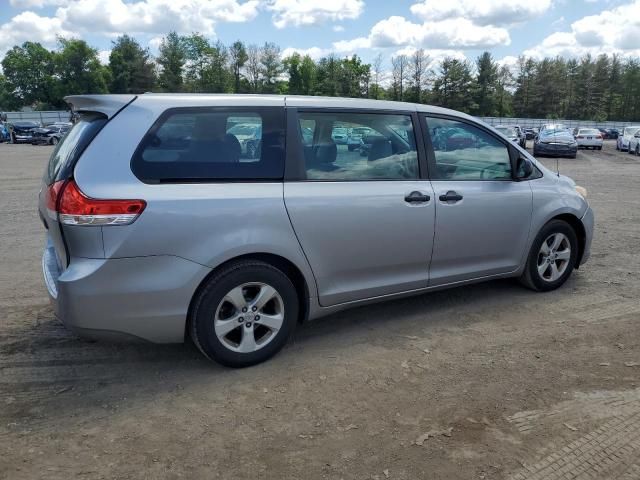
488 381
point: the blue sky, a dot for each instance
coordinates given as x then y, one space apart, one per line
462 28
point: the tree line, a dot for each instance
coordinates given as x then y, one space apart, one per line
601 88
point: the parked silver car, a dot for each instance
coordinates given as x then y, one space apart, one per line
158 227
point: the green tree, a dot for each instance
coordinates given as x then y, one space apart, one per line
132 71
238 58
485 91
327 76
524 81
504 86
197 50
78 68
307 71
28 71
453 86
271 67
171 60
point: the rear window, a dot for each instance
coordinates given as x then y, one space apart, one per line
70 147
212 144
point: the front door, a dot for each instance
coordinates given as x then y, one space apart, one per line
482 216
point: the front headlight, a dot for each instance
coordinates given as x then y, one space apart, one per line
581 191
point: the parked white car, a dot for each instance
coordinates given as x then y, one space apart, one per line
634 144
589 138
622 143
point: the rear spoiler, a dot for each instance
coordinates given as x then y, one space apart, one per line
109 105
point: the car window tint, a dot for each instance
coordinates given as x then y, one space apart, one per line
358 146
213 144
465 152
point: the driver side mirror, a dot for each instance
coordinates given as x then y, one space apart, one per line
524 168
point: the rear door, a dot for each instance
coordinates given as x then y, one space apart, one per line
482 216
363 216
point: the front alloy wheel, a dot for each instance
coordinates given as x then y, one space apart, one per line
552 257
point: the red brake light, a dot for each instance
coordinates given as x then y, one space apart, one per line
75 208
599 137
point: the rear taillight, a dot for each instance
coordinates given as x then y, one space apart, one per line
75 208
599 137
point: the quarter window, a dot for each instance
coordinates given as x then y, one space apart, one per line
212 144
465 152
358 146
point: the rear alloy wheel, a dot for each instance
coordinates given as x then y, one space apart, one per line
552 257
54 141
245 314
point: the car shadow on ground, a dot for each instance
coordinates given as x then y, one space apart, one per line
44 365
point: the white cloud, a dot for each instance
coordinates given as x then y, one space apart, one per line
455 33
481 12
314 52
611 31
155 42
110 17
338 28
29 26
313 12
103 56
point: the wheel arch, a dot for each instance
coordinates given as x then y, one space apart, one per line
285 265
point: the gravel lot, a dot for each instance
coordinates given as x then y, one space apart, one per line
487 381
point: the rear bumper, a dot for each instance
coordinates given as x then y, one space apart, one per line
143 297
588 221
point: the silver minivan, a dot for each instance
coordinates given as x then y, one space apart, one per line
165 220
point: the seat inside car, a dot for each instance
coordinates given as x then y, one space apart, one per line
322 154
210 137
380 148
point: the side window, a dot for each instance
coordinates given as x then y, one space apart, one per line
212 144
358 146
465 152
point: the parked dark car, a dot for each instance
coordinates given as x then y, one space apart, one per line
50 135
21 132
555 143
612 133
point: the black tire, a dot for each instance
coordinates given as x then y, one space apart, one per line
205 304
530 277
599 148
351 148
54 141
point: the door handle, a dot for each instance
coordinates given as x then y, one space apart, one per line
450 196
417 197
